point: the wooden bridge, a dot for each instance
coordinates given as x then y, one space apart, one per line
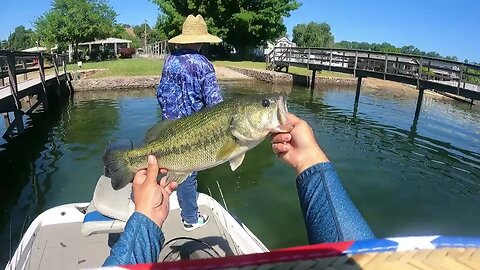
459 79
16 96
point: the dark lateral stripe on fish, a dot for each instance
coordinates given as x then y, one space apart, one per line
175 150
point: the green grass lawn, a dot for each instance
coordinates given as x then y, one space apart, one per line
124 67
153 67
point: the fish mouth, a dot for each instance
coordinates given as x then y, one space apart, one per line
282 110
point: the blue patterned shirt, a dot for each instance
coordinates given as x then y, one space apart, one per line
188 84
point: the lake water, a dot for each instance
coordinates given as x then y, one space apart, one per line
406 178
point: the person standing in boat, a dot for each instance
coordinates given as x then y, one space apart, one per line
329 214
189 84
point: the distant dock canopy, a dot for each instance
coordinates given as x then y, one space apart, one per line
112 45
441 75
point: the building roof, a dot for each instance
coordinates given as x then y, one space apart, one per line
35 49
106 41
40 49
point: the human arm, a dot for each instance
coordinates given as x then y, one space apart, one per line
329 214
142 238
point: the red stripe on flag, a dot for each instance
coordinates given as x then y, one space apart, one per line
276 256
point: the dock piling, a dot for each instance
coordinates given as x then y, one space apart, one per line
419 102
359 85
312 84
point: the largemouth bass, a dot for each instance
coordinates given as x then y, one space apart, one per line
208 138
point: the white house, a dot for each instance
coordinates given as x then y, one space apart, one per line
281 42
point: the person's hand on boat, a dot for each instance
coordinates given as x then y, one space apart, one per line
152 198
298 147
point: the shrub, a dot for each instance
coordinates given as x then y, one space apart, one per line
126 52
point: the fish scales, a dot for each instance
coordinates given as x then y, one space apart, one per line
202 140
184 144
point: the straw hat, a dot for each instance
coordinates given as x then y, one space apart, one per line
194 31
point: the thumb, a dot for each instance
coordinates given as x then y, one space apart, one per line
152 171
293 119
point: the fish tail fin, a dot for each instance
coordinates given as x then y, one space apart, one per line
116 168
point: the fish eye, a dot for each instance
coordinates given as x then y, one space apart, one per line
265 103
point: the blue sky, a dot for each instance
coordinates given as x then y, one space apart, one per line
448 27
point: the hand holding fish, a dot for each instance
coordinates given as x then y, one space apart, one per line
297 147
152 198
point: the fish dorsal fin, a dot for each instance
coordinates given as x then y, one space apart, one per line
154 131
236 161
226 150
177 177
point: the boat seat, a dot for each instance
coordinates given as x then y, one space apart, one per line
109 209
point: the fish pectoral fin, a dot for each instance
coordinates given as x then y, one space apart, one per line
155 131
227 150
236 161
177 177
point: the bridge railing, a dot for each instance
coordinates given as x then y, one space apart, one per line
27 63
458 74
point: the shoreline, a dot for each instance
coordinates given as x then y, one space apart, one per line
83 81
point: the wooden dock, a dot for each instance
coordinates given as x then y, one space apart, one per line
12 92
444 76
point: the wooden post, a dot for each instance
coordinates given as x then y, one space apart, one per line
24 66
273 58
359 85
289 57
460 79
41 70
419 73
18 113
308 59
55 67
331 56
385 69
419 102
356 63
2 82
368 61
312 84
12 77
396 66
67 77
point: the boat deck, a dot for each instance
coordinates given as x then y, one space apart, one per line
62 246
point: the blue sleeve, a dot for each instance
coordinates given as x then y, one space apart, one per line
330 215
140 242
211 91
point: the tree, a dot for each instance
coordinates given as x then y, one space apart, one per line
242 24
21 39
387 47
313 35
121 32
453 58
76 21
